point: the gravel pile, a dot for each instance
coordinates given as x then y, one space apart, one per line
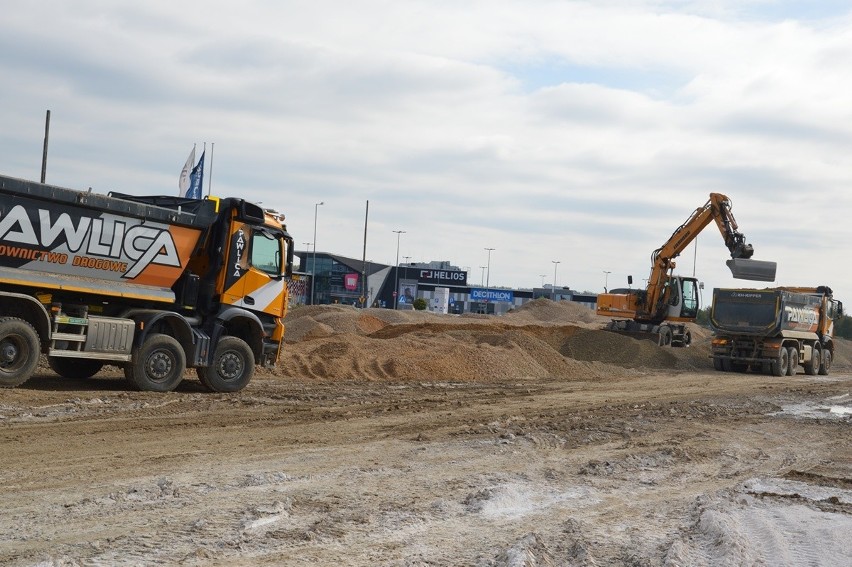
540 339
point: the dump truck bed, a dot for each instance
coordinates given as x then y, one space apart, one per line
765 312
58 232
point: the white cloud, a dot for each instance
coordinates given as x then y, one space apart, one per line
579 131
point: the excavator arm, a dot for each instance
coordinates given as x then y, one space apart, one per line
653 304
718 209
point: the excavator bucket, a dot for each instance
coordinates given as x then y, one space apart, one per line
758 270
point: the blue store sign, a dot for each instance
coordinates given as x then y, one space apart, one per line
507 295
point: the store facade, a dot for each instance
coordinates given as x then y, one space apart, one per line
349 281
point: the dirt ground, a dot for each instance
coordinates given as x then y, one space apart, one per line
413 439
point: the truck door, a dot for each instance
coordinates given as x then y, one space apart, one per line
254 271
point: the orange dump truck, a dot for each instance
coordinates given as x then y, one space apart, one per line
774 330
152 284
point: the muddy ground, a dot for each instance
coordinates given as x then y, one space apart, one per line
411 439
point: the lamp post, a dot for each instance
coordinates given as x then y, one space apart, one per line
694 256
542 279
307 250
553 291
407 258
482 281
488 271
396 271
314 264
606 279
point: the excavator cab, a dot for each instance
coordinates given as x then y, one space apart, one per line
681 298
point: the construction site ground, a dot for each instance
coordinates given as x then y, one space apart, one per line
409 439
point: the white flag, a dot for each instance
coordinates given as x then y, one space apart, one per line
183 183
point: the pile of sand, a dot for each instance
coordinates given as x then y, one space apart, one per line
540 339
545 311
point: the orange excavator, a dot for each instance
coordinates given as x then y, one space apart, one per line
661 310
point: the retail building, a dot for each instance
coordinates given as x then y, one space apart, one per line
443 286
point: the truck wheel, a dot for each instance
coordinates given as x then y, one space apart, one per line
19 350
665 336
687 339
74 368
158 365
812 366
825 365
232 368
781 364
717 363
793 361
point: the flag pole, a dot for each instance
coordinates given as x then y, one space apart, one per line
210 170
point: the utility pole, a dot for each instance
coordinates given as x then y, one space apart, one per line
553 291
396 271
488 277
314 265
44 152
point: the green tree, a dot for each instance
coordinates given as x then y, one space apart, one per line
703 317
419 304
843 327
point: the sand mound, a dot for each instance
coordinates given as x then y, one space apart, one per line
541 339
433 353
545 310
612 348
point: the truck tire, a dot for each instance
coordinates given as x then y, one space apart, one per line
74 368
19 350
792 361
781 365
232 368
665 336
812 366
717 364
157 365
825 364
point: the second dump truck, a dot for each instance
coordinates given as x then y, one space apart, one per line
774 330
151 284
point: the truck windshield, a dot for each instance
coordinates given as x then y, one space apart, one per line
738 309
265 253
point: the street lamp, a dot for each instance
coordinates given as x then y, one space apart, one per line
482 281
407 258
396 271
542 279
314 265
488 277
552 291
606 279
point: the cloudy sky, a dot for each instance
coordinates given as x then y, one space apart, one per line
578 132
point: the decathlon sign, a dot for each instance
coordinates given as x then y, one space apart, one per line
492 295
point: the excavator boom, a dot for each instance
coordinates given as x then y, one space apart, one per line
673 298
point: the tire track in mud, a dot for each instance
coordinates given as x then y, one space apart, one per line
364 472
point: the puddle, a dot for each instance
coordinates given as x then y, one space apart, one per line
837 407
